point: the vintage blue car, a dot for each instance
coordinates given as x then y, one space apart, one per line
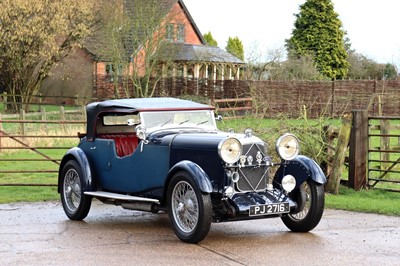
166 154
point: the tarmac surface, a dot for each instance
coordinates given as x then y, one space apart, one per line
41 234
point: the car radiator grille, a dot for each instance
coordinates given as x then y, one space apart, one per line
254 175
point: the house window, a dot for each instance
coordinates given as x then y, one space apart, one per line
170 32
180 36
112 71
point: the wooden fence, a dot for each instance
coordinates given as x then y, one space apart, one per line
328 98
234 107
271 98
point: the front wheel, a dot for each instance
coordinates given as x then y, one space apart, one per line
189 209
75 203
311 199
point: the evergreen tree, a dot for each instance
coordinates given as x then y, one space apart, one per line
235 47
210 40
390 71
318 32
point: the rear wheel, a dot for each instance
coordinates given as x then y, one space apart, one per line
75 203
189 209
311 199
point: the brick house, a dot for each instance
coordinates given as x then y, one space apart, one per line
86 70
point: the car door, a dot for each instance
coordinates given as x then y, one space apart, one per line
145 169
99 154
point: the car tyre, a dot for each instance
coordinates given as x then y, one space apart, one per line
308 217
189 209
75 203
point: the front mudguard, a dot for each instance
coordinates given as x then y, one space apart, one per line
80 157
301 168
195 171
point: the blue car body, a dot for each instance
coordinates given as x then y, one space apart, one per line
133 164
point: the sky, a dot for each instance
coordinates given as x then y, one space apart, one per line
371 25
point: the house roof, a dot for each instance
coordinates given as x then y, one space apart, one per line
96 45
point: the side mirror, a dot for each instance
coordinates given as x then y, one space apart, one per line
219 118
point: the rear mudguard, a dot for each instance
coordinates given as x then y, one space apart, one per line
196 172
80 157
301 168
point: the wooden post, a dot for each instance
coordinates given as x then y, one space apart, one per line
62 117
384 128
238 73
358 150
385 142
44 117
84 117
340 154
77 101
40 101
333 98
22 125
330 135
1 130
5 101
214 73
196 70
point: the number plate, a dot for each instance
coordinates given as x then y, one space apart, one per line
269 209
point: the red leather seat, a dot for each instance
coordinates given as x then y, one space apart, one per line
125 144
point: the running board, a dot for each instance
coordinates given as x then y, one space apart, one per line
103 194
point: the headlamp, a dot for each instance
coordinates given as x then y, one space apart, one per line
230 150
287 147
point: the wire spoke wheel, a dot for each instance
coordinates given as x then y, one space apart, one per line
189 209
185 206
72 190
75 203
311 199
307 204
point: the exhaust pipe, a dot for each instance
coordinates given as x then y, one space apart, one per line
141 206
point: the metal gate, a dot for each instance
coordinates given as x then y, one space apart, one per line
384 153
26 157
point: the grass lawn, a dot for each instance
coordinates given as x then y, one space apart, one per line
31 193
28 194
371 201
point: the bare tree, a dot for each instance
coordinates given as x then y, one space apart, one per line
134 38
261 62
300 68
34 36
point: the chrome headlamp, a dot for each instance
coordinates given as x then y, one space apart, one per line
288 183
230 150
287 147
